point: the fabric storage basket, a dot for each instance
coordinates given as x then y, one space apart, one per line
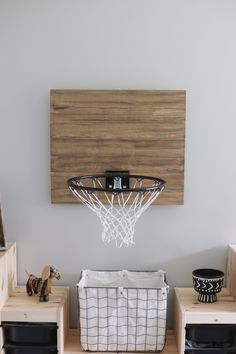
122 310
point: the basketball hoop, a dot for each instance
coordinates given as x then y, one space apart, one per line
118 199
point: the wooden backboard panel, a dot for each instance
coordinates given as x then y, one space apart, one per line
97 130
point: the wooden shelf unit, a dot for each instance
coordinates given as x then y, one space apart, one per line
188 310
17 306
23 308
8 274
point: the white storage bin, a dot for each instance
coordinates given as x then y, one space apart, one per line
122 310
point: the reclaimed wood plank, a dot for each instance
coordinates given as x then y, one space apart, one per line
141 131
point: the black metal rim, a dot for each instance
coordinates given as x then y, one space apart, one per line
72 183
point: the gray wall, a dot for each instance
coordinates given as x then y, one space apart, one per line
132 44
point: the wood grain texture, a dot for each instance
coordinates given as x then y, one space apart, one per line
97 130
8 273
188 310
73 346
231 271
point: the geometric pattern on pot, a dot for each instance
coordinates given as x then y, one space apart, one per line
207 282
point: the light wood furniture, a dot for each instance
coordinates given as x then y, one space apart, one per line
8 275
23 308
8 278
188 310
72 345
17 306
140 131
231 271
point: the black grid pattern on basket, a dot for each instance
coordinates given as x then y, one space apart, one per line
122 319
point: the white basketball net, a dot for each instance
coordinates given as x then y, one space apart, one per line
118 212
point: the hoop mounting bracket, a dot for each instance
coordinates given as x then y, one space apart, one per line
117 180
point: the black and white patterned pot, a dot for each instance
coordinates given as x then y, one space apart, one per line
207 282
